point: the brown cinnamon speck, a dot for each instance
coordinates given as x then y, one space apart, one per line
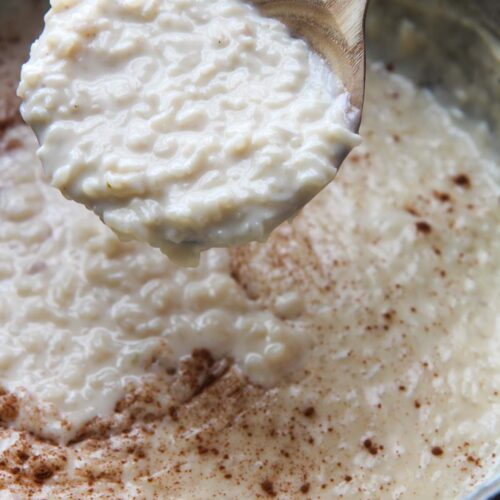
268 487
42 472
9 407
412 211
370 446
305 488
437 451
309 412
22 456
172 412
423 227
440 196
473 460
462 180
389 315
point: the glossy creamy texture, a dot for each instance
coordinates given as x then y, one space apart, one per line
187 124
83 315
396 266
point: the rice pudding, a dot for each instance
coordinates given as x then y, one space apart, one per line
384 289
187 124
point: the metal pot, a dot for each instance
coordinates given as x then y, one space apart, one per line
451 47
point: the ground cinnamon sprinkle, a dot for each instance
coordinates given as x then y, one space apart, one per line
173 414
443 197
9 407
309 412
462 180
423 227
437 451
268 487
474 460
370 446
42 472
412 211
305 488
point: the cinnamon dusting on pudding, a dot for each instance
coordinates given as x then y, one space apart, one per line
441 196
372 447
309 412
378 321
9 407
423 227
268 487
462 180
305 488
437 451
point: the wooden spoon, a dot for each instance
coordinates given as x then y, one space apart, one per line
332 28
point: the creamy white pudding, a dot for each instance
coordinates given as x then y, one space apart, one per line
384 291
188 125
391 274
83 316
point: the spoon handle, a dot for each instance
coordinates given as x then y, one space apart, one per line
334 29
349 16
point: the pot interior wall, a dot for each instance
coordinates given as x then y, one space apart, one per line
451 47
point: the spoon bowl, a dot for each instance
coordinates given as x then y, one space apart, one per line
335 30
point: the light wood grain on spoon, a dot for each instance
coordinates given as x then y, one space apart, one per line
334 29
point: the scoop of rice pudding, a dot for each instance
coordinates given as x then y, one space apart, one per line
189 125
